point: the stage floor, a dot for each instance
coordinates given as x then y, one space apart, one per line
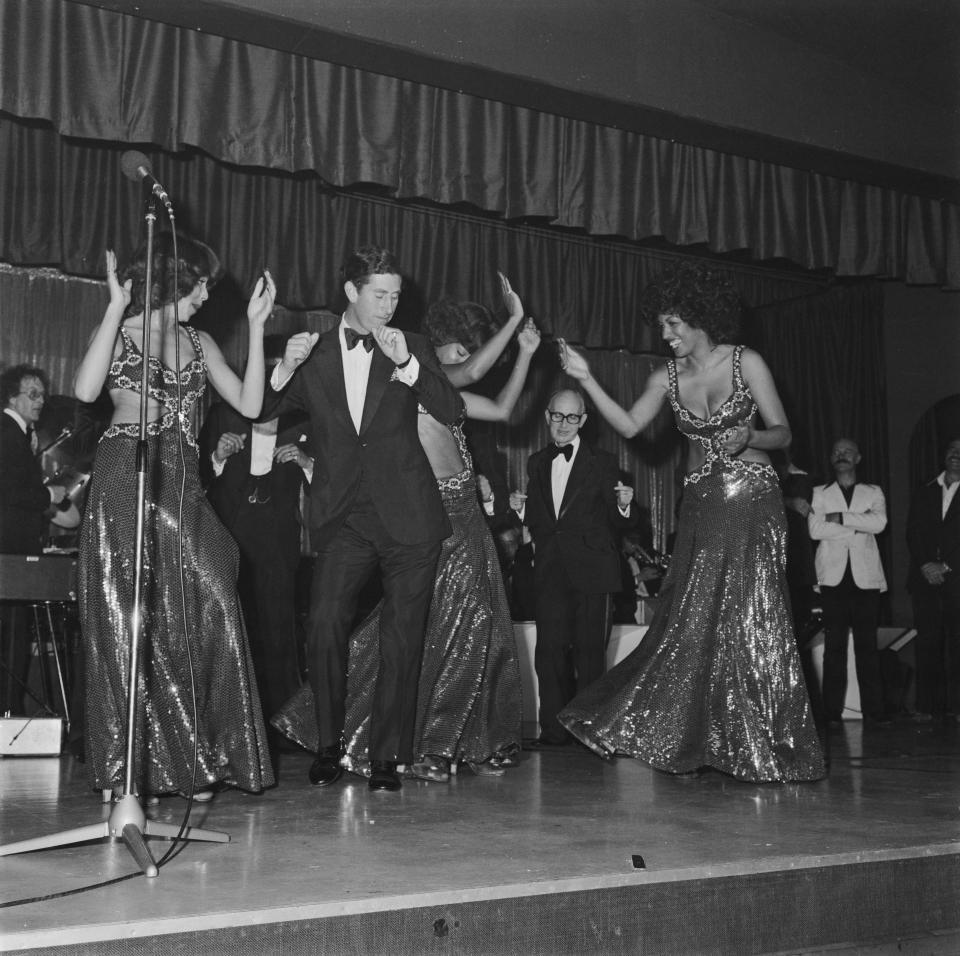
563 821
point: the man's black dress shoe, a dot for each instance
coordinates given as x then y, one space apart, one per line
326 768
383 775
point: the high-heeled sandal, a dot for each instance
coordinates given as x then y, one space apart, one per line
432 768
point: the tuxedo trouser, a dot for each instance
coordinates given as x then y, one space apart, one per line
267 586
343 566
847 607
936 616
573 629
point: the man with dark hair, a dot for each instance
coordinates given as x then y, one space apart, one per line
845 517
26 504
373 502
933 537
575 508
25 501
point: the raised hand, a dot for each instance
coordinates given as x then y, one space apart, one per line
298 347
511 301
229 444
260 306
528 337
119 294
624 494
572 362
393 344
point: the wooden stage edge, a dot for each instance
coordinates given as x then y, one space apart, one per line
539 861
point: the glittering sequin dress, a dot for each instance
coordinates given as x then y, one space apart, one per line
716 681
469 697
230 729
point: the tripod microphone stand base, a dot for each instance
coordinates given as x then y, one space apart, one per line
127 822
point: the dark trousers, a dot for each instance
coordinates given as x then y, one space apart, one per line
267 587
15 641
936 616
847 607
343 566
573 629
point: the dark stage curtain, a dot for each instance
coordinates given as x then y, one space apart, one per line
826 354
825 351
65 201
99 75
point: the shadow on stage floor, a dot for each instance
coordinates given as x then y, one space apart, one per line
565 854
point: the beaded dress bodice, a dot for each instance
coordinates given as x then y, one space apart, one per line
737 409
126 373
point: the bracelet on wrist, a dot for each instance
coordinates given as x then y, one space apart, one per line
405 362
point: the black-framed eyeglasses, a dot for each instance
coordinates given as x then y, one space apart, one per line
33 394
572 419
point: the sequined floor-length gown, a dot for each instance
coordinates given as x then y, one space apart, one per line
230 729
716 681
469 694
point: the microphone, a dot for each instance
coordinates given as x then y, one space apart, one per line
136 166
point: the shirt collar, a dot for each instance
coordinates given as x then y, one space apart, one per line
19 419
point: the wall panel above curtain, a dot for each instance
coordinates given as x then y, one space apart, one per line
100 75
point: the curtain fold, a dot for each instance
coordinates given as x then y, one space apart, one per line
825 351
63 201
100 75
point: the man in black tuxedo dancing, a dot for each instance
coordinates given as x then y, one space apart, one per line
373 502
575 507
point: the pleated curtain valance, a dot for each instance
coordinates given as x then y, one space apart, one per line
98 75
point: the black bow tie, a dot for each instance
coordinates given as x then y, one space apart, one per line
565 450
353 337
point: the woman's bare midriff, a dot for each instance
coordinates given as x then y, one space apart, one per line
441 447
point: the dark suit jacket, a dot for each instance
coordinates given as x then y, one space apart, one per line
584 535
932 537
24 500
228 490
387 450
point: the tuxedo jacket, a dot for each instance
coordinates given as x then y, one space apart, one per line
387 451
854 540
24 499
584 535
230 489
933 536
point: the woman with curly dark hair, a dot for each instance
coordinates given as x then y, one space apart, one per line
194 647
716 681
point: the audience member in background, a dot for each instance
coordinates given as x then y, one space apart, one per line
933 537
26 505
192 635
254 473
716 681
576 509
845 518
469 693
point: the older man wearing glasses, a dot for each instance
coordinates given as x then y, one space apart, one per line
575 508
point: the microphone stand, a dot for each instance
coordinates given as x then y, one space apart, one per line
127 821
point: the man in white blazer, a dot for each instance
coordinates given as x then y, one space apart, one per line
845 518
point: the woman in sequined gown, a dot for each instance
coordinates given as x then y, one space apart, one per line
191 613
469 694
716 682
